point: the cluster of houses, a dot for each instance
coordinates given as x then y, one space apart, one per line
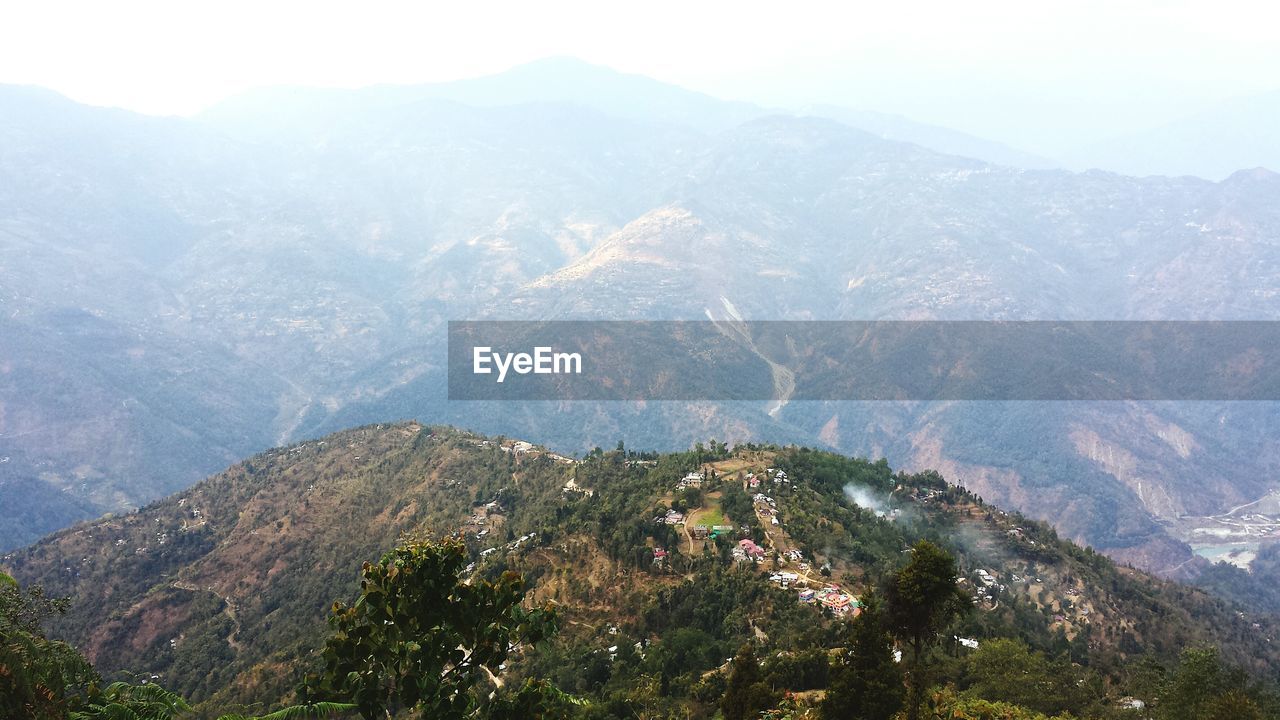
513 545
795 556
771 475
766 507
986 588
671 518
521 448
1018 533
480 517
692 480
831 597
785 580
748 551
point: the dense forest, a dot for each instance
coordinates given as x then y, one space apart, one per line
405 571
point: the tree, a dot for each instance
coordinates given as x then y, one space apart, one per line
945 703
746 694
35 671
420 639
42 678
922 600
1008 671
866 683
1203 687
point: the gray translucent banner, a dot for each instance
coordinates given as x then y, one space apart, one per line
864 360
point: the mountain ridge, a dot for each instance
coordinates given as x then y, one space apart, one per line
220 591
317 274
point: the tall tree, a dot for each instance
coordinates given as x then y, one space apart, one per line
420 639
747 694
922 600
866 683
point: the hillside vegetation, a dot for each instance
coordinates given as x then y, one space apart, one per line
220 593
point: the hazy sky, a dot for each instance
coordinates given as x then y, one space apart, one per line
1033 73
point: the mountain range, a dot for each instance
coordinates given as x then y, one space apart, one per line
176 294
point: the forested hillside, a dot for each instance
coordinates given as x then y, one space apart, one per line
661 569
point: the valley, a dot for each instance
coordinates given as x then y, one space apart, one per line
1235 536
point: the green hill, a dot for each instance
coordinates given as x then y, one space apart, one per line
221 591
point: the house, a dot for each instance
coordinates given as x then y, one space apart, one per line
753 482
693 479
752 550
673 518
573 487
659 555
839 603
807 596
700 532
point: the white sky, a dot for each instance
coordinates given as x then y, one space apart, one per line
1023 71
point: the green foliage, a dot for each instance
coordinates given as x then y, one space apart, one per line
420 639
947 704
866 683
1008 671
35 672
123 701
1202 687
747 694
922 600
312 711
673 625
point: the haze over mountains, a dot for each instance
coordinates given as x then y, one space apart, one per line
177 294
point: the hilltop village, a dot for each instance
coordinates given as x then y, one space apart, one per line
693 509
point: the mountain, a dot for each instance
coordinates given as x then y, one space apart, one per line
1213 143
283 113
944 140
220 591
189 292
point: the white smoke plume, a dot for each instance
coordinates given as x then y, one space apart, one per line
862 497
